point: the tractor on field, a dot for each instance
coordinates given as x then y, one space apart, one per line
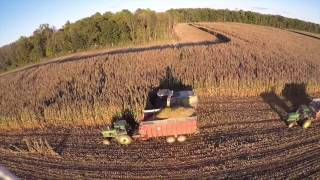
305 114
175 119
119 132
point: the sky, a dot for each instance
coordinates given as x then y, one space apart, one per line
22 17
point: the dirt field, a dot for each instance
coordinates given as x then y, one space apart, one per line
239 138
187 33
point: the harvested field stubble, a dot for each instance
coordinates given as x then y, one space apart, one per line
238 138
90 91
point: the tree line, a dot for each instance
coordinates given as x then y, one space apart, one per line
124 27
225 15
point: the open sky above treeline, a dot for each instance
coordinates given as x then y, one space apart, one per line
21 18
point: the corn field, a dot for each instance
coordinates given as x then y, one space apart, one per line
90 91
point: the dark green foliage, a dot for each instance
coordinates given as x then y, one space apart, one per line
196 15
124 27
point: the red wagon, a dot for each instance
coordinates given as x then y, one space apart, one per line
174 128
175 120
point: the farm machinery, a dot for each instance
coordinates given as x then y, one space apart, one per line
305 114
174 119
119 132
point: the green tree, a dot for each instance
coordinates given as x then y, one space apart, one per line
39 40
127 23
146 24
23 49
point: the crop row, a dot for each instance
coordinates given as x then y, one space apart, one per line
91 91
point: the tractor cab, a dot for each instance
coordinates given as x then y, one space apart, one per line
119 132
293 116
120 125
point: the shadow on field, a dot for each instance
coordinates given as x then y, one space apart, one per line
220 37
296 94
293 95
169 81
276 103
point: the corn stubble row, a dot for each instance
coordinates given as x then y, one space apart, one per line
93 90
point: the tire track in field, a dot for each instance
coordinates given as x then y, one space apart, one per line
239 146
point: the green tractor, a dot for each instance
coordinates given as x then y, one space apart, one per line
304 116
119 132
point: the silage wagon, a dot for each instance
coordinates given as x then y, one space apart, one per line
175 121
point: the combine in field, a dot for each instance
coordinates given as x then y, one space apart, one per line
175 119
305 114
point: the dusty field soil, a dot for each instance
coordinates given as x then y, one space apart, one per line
187 33
239 138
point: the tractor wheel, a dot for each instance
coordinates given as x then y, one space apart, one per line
106 142
291 124
182 138
124 139
170 139
307 123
